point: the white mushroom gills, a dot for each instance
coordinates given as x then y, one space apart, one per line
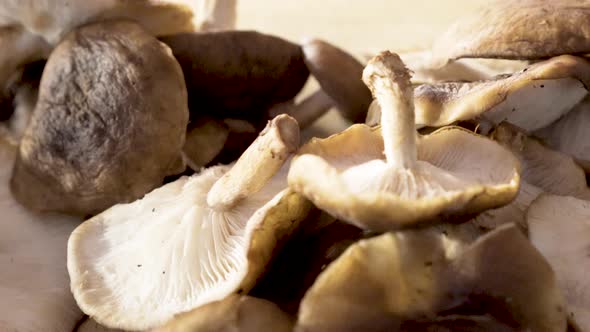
257 165
389 81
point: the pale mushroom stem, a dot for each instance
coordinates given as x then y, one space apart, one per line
389 81
257 165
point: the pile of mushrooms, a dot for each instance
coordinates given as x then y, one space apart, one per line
153 175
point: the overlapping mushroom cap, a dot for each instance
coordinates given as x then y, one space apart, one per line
559 228
531 98
405 279
451 171
518 29
34 284
190 242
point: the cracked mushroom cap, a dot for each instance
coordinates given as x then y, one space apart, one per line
234 313
34 284
518 29
190 242
559 227
569 134
340 76
530 99
106 131
417 179
238 74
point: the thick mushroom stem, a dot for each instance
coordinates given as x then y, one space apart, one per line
260 162
389 81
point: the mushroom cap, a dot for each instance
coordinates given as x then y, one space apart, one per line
204 141
414 277
238 74
173 253
34 284
559 227
458 173
518 29
102 132
377 284
233 313
569 134
531 99
339 74
503 269
53 19
469 70
552 171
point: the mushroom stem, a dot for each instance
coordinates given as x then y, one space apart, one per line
308 110
389 81
257 165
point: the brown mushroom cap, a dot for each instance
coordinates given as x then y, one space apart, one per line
238 74
410 278
340 75
234 313
531 99
519 29
109 123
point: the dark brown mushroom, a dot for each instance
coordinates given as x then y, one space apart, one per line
109 123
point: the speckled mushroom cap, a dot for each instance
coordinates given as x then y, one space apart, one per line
109 124
416 179
518 29
531 98
191 242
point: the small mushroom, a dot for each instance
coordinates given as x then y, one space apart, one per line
109 123
190 242
234 313
559 228
518 29
205 139
34 284
569 134
340 75
530 99
417 179
238 74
